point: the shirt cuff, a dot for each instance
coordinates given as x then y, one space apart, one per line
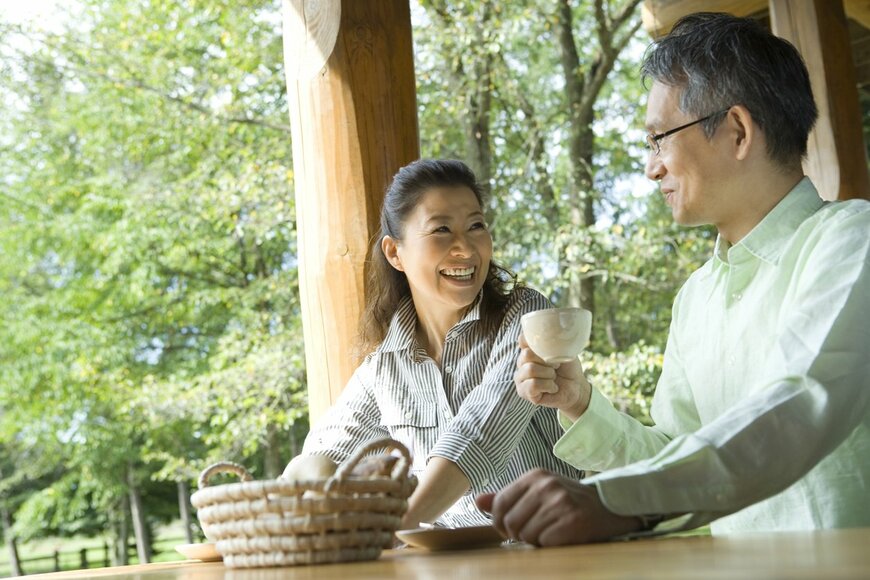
470 458
588 442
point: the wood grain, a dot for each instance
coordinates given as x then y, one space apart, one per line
836 160
659 16
354 124
839 554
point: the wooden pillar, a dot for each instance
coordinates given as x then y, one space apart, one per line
836 160
352 99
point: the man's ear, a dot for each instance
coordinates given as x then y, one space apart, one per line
744 130
390 247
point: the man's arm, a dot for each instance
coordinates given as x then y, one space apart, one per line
597 436
546 509
769 440
818 392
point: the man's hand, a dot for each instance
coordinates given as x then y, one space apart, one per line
546 509
562 387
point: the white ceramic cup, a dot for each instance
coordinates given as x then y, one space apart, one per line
557 335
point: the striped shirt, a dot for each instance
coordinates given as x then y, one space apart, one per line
467 411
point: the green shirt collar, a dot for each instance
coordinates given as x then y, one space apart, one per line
767 240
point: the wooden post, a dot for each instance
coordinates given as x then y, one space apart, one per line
837 161
352 101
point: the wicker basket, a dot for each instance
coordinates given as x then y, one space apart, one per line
276 523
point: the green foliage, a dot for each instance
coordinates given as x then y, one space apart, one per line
150 312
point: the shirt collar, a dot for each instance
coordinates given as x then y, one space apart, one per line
768 239
402 333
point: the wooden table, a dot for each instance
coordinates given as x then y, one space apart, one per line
822 555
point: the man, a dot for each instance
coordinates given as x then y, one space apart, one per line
761 413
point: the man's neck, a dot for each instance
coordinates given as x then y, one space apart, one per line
761 195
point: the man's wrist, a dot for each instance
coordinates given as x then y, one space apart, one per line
574 412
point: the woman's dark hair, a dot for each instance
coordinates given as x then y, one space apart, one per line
386 286
719 61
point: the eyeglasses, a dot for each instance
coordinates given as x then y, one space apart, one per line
652 141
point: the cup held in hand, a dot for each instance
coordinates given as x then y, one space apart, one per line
557 335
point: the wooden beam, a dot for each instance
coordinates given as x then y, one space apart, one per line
837 159
859 11
659 16
352 101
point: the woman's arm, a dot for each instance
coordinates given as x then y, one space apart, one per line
441 485
352 421
484 434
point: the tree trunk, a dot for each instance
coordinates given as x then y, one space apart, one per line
583 84
11 542
477 143
471 77
122 533
272 462
294 449
184 510
143 548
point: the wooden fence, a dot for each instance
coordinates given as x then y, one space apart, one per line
92 557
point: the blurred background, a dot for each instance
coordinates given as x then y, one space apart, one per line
149 305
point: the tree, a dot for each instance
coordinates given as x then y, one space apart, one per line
148 251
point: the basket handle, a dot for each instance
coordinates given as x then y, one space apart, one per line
223 467
400 469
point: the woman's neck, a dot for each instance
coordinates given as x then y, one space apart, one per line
432 331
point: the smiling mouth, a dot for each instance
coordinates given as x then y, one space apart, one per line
460 274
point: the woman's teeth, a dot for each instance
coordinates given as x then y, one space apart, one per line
463 274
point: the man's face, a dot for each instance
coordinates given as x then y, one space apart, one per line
695 174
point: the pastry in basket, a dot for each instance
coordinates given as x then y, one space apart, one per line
375 466
308 467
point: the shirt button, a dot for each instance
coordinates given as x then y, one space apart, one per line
448 369
737 296
732 359
408 415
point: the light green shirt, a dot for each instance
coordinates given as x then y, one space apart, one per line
763 407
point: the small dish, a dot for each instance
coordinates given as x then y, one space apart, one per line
452 538
205 552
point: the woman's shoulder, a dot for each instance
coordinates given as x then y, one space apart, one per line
527 299
523 299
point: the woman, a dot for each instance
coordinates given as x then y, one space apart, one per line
442 320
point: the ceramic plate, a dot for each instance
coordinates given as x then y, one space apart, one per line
451 538
205 552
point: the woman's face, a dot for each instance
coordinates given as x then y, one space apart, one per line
445 251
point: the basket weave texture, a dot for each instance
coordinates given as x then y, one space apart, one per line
285 523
